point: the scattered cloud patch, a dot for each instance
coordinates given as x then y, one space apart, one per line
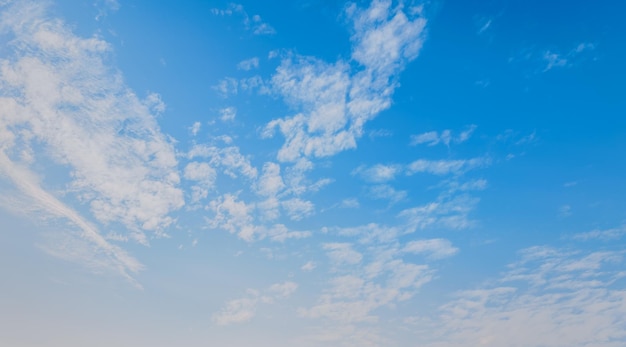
378 173
334 100
602 235
252 23
445 167
241 310
433 248
445 137
228 114
248 64
551 297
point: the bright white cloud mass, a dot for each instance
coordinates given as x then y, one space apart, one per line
200 173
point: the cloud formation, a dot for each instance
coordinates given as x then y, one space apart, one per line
335 100
63 105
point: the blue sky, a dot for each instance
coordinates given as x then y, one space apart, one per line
312 173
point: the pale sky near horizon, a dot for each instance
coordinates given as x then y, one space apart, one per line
312 173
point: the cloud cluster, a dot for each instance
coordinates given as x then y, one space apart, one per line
335 100
63 106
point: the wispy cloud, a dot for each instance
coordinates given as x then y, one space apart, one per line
244 309
248 64
446 167
603 235
378 172
445 137
551 297
252 23
58 89
553 59
434 248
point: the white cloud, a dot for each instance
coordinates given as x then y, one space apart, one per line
342 253
553 60
233 216
309 266
352 298
248 64
87 247
434 248
603 235
244 309
387 192
229 159
228 114
195 128
284 289
297 208
349 203
445 167
254 23
450 213
484 23
280 233
271 182
433 138
204 175
565 211
238 310
202 172
378 172
334 99
551 297
106 6
227 86
556 60
81 116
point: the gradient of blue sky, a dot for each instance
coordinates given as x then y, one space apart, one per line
312 173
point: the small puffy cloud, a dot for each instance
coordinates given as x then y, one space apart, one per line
378 172
195 128
248 64
283 290
387 192
271 182
349 203
433 248
228 114
342 253
297 208
197 171
308 266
